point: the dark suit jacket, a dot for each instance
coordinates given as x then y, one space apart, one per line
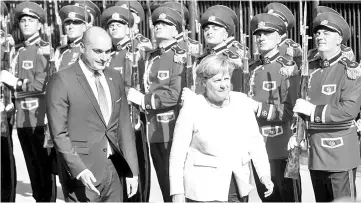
78 129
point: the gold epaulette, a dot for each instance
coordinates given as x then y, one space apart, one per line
289 68
193 46
180 55
44 48
234 57
353 69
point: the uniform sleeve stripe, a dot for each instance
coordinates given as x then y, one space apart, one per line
152 101
323 118
270 110
259 110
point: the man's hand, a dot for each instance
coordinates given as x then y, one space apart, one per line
267 182
132 186
8 78
178 198
135 96
304 107
87 178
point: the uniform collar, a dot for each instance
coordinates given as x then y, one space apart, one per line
75 42
283 39
269 59
221 46
164 49
329 62
122 43
32 40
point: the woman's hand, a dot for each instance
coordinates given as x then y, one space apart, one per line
178 198
267 182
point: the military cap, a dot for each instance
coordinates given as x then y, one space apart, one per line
226 11
334 22
135 7
167 15
30 9
281 11
322 9
178 7
214 16
118 14
265 21
91 7
4 9
72 12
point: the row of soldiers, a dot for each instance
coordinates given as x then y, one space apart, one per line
156 73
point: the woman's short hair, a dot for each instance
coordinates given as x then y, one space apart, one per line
214 64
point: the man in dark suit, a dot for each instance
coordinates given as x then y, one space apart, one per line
90 126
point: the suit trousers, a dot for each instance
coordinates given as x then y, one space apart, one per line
285 189
8 168
329 186
39 163
160 154
110 188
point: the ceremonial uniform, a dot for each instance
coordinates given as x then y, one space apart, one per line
163 83
67 54
334 88
346 51
31 68
8 169
274 84
287 48
224 17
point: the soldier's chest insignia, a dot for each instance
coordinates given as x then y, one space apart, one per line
165 117
331 142
162 75
328 89
120 69
28 65
269 85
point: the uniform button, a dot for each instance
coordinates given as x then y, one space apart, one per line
104 150
148 123
148 106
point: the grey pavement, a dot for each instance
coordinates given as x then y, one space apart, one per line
24 193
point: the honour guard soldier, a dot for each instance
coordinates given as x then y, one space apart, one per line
287 48
118 21
8 169
29 79
273 87
75 25
144 44
219 27
346 51
333 103
93 11
163 82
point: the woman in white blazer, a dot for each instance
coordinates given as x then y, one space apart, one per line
216 134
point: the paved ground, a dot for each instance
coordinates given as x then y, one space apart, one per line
24 193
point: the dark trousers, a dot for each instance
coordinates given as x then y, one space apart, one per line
243 199
160 154
285 189
39 163
144 167
233 194
329 186
110 188
8 168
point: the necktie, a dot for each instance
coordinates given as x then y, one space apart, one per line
102 99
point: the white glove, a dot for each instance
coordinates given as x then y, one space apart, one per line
136 97
132 186
304 107
2 107
8 78
187 96
267 182
178 198
255 105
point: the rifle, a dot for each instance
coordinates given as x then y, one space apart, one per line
198 28
293 165
104 5
243 36
255 52
47 30
189 65
5 92
134 73
63 38
151 27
